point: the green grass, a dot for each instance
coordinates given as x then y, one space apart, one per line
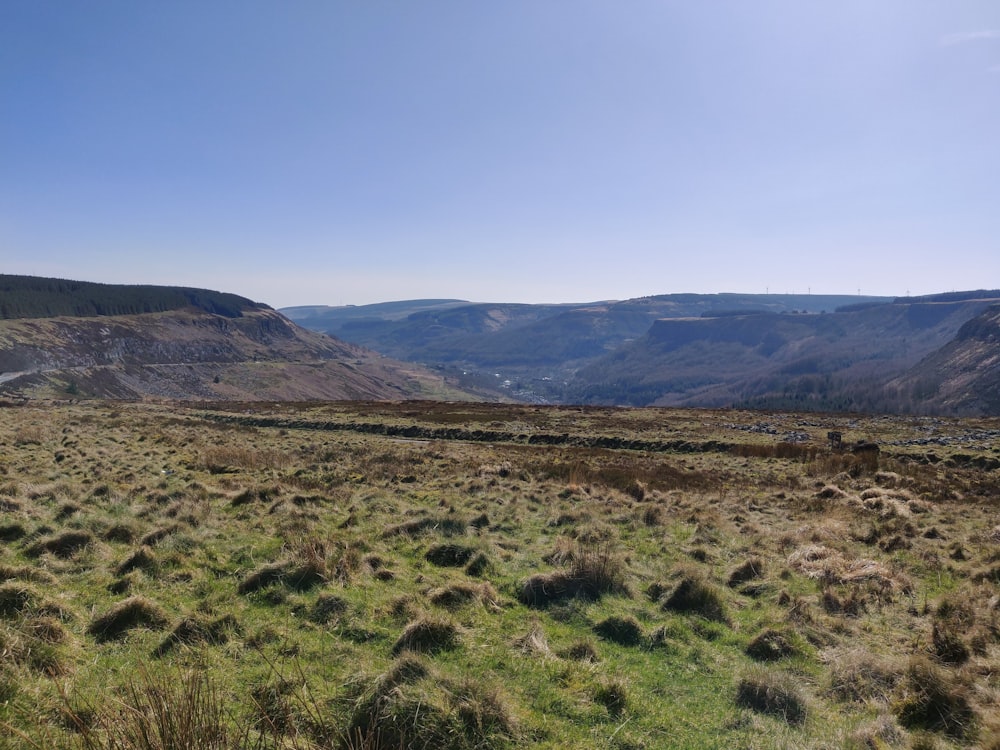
334 588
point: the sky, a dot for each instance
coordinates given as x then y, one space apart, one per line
330 152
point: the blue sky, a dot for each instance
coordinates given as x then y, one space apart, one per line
346 152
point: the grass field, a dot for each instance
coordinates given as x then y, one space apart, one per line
423 575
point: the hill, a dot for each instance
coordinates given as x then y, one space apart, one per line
181 344
843 360
37 297
964 375
531 351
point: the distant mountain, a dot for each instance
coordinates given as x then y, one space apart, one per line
838 361
767 351
113 341
531 351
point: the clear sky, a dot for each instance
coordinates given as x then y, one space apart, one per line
355 151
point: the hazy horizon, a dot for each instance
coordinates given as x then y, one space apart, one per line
341 153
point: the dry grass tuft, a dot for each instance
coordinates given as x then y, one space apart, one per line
625 631
160 713
449 555
428 635
693 594
772 645
857 676
773 693
134 612
63 545
936 701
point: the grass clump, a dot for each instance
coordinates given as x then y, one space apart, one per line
165 712
747 571
693 594
593 572
773 693
449 555
857 676
625 631
459 594
934 700
63 545
412 707
134 612
772 645
142 559
427 635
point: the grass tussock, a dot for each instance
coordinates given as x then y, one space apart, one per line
858 676
773 693
625 631
412 707
593 572
459 594
694 594
134 612
428 635
772 645
935 700
63 545
162 712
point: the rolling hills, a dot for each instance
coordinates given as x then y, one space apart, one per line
60 338
822 353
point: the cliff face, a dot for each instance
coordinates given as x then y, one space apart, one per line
191 353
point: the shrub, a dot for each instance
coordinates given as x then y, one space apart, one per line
773 693
134 612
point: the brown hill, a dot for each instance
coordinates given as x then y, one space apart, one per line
964 375
191 353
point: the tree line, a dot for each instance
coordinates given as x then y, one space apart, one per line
37 297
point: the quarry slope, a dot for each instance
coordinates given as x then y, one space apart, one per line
191 353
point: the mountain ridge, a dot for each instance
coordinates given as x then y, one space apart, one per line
202 345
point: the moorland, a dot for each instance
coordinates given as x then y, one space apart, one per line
444 575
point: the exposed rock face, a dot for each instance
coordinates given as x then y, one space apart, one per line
194 354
